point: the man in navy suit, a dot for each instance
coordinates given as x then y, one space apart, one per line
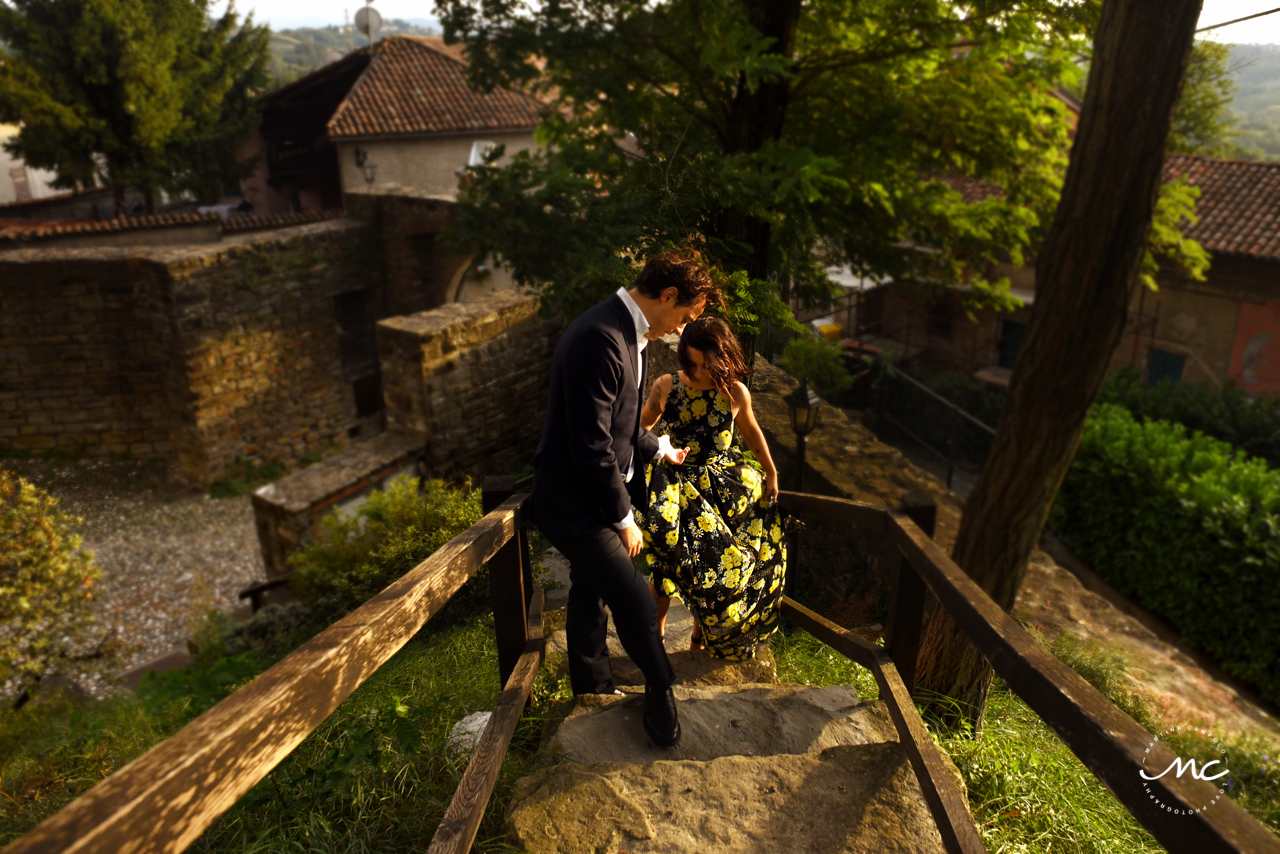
592 450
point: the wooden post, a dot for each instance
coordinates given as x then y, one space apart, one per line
906 600
507 588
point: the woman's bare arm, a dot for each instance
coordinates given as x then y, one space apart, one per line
754 437
655 402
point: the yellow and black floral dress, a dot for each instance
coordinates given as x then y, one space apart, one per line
713 539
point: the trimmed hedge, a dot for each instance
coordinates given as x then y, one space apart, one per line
1188 526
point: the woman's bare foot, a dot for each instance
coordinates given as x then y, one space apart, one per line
695 642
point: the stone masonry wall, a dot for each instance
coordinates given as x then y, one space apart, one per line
268 374
85 345
256 347
472 379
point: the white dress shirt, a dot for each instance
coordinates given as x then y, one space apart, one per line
642 327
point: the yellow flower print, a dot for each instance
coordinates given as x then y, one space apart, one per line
756 529
775 585
670 512
733 578
690 491
708 579
704 481
711 620
732 557
723 404
742 504
733 613
673 492
724 439
693 392
686 416
775 533
669 587
694 447
649 558
713 420
699 408
750 477
706 521
653 499
765 552
673 537
646 537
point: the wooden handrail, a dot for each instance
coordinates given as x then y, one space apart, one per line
946 803
1109 743
461 820
162 801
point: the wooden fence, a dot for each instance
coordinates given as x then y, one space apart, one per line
165 799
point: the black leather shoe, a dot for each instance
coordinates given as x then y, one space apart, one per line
660 719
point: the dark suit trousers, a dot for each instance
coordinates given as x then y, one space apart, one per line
602 575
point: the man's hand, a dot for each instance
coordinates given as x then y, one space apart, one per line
632 539
670 454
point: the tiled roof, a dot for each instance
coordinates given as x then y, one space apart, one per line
1238 208
235 225
36 229
417 86
1239 205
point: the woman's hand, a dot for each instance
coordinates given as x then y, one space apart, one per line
771 486
675 456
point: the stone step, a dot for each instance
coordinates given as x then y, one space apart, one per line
848 798
742 720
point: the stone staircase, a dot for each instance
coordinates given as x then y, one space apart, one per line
763 767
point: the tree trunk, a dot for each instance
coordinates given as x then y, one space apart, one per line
1085 274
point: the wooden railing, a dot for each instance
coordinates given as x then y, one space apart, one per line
165 799
1105 739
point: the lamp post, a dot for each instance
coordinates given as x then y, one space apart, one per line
803 405
367 166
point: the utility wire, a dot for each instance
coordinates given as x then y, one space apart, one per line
1238 20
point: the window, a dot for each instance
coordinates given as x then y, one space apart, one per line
942 316
1163 366
871 310
1011 332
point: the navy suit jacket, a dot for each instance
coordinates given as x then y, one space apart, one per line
593 425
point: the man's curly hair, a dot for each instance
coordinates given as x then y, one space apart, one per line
686 271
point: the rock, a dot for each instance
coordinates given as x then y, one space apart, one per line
555 569
746 720
466 733
849 798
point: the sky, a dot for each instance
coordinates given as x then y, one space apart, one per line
288 14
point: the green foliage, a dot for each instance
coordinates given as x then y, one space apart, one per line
817 360
878 105
1174 207
46 587
244 476
1203 121
297 52
1188 527
391 533
152 94
1250 424
1256 69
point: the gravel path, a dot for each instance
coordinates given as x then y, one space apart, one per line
166 557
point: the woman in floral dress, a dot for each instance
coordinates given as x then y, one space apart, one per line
714 531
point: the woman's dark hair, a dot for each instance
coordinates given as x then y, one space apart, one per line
721 354
682 269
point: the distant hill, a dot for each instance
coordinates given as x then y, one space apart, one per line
1257 72
298 52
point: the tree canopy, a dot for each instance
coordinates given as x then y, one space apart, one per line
151 94
784 136
1203 121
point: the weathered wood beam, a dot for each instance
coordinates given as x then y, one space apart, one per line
162 801
1104 738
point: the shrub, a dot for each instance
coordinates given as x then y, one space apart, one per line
46 586
819 361
1229 414
391 533
1189 527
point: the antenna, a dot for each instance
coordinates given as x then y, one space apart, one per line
368 21
346 22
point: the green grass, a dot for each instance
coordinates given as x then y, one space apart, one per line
244 476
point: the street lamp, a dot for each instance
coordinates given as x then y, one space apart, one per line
367 166
803 405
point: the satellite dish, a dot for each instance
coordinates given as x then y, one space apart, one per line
368 21
333 56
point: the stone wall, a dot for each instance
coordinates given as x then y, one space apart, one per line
472 379
85 347
260 347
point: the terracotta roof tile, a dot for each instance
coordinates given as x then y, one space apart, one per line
419 86
1238 208
238 224
36 229
1239 205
